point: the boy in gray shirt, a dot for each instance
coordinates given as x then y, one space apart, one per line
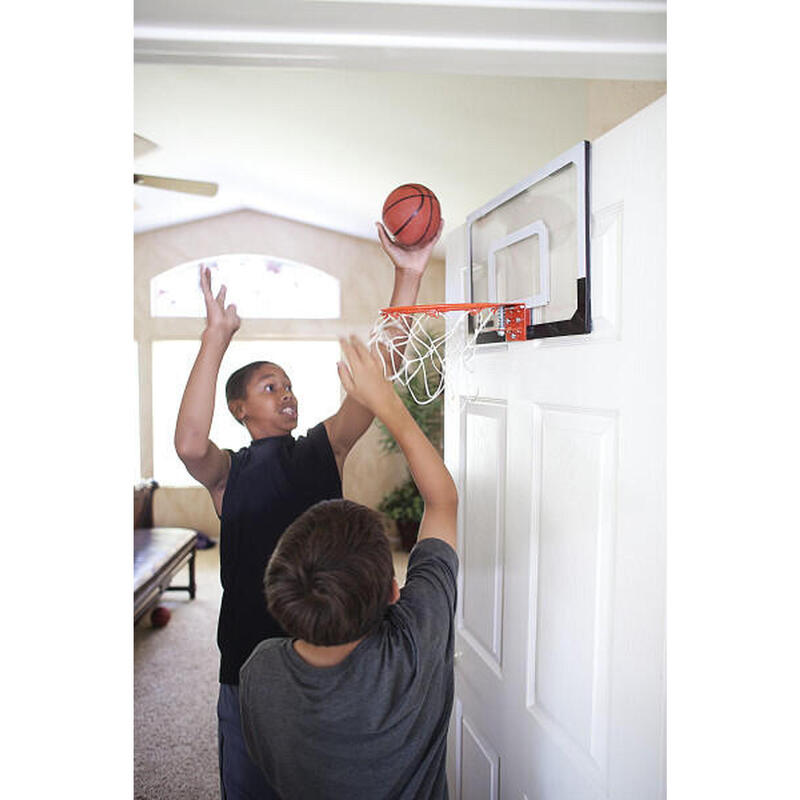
357 703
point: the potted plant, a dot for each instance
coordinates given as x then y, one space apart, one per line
404 503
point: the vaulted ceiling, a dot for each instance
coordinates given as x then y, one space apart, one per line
315 109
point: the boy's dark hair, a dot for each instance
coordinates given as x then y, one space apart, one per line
329 580
236 385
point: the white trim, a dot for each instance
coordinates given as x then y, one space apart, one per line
576 155
539 229
155 33
595 6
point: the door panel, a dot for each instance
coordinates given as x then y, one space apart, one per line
572 577
483 504
558 445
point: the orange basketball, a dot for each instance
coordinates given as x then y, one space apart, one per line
411 215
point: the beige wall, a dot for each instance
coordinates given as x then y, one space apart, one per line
610 102
366 277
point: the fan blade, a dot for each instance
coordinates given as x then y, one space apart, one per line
142 145
176 184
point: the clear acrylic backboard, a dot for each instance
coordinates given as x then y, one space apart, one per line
531 244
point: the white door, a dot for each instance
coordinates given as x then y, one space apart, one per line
558 446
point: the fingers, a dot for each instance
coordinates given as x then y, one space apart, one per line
392 249
345 377
357 354
346 349
205 283
352 358
382 235
358 346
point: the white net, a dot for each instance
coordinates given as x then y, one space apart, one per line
412 346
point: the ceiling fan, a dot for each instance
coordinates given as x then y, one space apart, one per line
142 146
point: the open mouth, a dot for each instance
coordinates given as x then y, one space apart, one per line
289 411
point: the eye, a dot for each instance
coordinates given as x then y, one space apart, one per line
269 387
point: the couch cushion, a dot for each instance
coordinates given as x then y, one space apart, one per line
154 548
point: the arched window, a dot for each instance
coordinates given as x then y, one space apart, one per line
262 287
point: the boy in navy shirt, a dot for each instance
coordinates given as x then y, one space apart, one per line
261 489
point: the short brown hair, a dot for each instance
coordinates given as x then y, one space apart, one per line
329 580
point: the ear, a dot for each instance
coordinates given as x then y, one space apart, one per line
395 592
236 408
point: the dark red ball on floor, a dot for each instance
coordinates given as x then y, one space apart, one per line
411 215
159 617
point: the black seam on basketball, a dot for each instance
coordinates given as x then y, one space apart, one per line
427 228
418 209
401 200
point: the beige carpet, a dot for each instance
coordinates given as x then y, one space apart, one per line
175 691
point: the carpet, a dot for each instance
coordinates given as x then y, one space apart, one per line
175 693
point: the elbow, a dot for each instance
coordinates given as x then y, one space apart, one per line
189 449
449 496
454 496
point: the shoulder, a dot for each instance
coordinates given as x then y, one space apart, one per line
317 436
425 611
431 578
237 457
264 653
236 460
433 552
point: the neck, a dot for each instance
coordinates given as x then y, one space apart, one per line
319 656
262 433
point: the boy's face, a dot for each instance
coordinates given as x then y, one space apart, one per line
269 407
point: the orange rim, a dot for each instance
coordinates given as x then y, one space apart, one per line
439 308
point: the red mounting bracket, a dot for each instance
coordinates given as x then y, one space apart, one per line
513 319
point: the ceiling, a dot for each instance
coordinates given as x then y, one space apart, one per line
622 39
315 109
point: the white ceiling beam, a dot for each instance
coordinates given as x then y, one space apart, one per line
146 33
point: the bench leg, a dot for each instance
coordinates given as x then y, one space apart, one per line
192 583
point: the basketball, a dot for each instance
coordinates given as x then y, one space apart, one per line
160 617
411 215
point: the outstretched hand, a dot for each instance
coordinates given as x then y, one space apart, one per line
413 259
361 374
218 318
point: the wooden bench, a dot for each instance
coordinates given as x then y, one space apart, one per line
159 553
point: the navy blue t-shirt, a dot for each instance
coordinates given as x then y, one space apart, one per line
270 484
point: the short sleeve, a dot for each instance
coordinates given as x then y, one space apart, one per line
428 599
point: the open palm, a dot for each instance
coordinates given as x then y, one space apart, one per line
413 259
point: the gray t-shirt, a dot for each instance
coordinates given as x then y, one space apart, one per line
375 725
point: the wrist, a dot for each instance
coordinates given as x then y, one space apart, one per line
406 287
407 273
216 337
390 410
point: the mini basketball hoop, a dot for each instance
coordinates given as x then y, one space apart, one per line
404 338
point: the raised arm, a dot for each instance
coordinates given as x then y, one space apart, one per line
352 419
203 459
362 378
